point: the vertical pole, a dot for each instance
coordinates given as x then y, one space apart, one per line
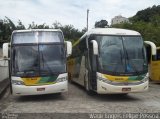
87 18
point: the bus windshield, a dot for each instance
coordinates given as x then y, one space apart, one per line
37 59
52 59
122 55
37 37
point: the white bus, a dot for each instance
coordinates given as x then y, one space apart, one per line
110 60
37 61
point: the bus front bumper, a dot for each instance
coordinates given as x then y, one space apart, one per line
38 90
105 88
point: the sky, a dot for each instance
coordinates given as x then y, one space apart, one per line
72 12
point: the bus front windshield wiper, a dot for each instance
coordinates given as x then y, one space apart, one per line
27 73
30 72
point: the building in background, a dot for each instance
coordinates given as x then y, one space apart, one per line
119 19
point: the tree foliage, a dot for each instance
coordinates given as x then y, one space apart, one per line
101 24
20 26
146 15
147 22
7 27
36 26
70 33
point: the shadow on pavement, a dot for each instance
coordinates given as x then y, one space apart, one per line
45 97
109 97
116 97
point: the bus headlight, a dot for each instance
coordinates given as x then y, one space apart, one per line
103 80
16 82
61 79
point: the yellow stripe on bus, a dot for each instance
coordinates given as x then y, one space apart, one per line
31 81
116 78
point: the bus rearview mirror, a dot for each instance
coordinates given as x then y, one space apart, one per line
5 51
69 48
95 47
153 47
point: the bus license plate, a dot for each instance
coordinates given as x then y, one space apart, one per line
40 89
126 89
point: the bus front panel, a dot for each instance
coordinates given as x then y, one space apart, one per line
107 84
40 85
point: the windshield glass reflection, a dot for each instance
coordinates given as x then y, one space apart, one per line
122 54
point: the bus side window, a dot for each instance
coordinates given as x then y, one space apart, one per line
158 54
82 46
83 50
75 52
148 49
92 58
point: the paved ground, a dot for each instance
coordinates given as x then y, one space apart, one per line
77 101
1 52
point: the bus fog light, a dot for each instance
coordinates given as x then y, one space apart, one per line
61 79
16 82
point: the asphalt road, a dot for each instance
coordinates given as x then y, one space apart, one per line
77 101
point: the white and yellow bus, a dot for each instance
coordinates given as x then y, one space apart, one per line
154 67
110 61
37 61
154 61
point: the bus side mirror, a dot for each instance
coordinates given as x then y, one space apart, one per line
69 48
95 47
5 51
153 49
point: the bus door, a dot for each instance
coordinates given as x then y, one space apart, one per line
93 68
82 53
155 67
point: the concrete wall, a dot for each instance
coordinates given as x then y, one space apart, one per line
4 74
0 53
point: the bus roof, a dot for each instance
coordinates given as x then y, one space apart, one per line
111 31
32 30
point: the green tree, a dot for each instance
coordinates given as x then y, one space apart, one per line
33 25
101 24
20 26
70 33
146 22
147 14
7 26
84 30
57 25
